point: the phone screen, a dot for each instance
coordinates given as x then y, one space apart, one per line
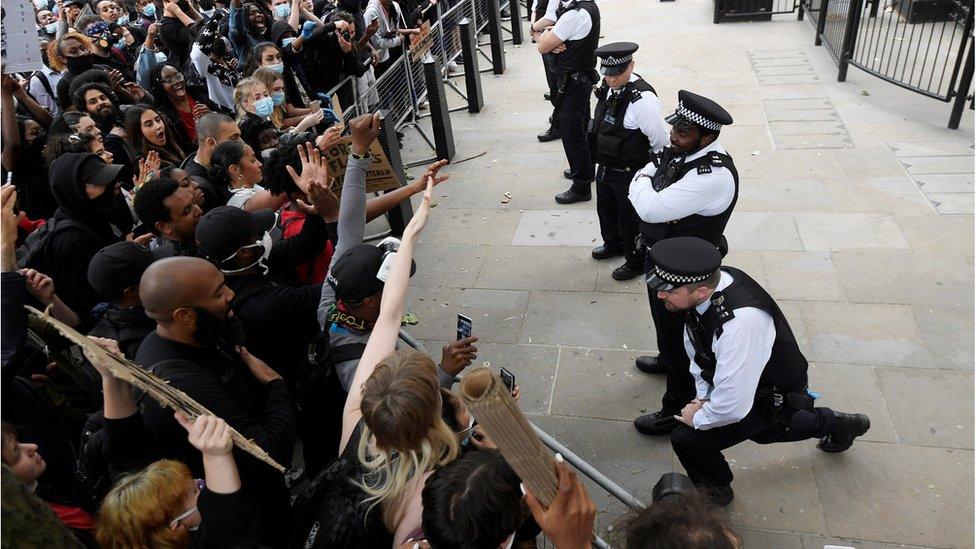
463 327
508 378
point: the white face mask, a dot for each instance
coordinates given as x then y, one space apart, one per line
175 522
267 243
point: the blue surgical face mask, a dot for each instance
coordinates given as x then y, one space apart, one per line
282 11
51 28
123 20
278 98
263 107
149 10
285 42
121 43
277 67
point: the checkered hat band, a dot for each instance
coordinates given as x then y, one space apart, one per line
679 280
696 118
614 61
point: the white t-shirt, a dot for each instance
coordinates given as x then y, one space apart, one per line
239 197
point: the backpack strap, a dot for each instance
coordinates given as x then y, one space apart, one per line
345 353
46 83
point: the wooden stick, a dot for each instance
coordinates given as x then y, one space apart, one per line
155 387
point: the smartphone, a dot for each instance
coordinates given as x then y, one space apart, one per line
508 379
463 327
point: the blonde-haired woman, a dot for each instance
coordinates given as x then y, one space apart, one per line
164 506
255 104
393 436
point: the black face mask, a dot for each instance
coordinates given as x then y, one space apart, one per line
213 331
80 64
114 209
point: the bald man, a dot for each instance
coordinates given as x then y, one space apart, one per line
193 348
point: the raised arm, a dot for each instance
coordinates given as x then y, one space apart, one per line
382 340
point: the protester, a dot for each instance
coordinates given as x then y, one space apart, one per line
147 131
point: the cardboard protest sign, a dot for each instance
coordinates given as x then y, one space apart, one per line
379 176
20 47
420 43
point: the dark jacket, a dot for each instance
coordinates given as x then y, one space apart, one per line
126 326
68 252
222 383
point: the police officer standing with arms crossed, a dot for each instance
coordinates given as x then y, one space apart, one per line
750 376
627 128
690 192
573 38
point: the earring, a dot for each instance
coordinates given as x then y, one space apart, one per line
240 177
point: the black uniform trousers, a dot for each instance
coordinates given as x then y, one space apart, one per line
669 329
700 451
574 116
549 63
619 224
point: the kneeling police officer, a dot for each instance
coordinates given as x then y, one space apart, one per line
750 376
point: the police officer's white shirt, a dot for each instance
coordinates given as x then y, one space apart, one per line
741 353
573 25
645 114
705 194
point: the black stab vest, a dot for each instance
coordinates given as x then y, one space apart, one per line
615 146
580 55
709 227
786 370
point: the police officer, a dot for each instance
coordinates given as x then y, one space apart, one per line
539 10
573 38
627 127
750 376
690 192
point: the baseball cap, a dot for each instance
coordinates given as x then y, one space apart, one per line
95 171
354 276
225 229
119 266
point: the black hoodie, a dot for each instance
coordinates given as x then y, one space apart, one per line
68 252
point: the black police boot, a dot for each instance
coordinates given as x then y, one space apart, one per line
606 251
568 174
657 423
576 193
651 365
551 134
847 428
632 268
718 495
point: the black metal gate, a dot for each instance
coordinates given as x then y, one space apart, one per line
753 10
919 45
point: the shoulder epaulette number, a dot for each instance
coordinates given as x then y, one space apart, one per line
704 168
724 313
716 159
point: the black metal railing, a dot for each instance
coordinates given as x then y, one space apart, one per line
919 45
753 10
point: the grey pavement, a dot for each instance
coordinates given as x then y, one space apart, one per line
856 212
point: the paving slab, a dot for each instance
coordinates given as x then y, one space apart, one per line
496 314
847 333
586 319
854 388
789 499
922 420
577 227
526 268
895 275
473 226
834 232
447 265
809 276
898 493
898 194
948 332
604 384
763 231
783 195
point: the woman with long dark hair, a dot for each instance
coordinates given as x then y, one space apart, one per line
146 131
173 100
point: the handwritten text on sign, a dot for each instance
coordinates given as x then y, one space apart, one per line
20 48
379 175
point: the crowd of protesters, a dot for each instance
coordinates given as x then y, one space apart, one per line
167 194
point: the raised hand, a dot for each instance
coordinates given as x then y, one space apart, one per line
8 227
568 522
431 173
148 164
329 137
364 129
208 434
457 355
39 285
